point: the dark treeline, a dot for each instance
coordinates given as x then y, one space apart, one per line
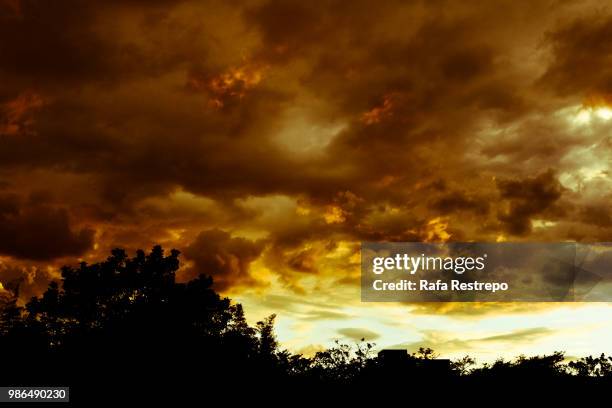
126 326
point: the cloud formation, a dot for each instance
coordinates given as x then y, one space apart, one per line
35 231
266 139
227 259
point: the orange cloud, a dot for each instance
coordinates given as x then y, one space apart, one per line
233 83
380 112
17 113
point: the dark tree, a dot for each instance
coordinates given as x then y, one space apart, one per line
128 322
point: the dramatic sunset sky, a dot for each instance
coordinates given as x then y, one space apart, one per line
267 139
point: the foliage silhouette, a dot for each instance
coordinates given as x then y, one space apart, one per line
127 324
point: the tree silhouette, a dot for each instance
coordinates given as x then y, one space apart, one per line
128 324
592 366
128 320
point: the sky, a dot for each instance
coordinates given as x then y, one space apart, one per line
266 139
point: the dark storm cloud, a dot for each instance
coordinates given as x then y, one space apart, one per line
51 40
526 199
460 201
64 43
581 60
597 214
52 133
120 148
227 259
38 232
392 121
